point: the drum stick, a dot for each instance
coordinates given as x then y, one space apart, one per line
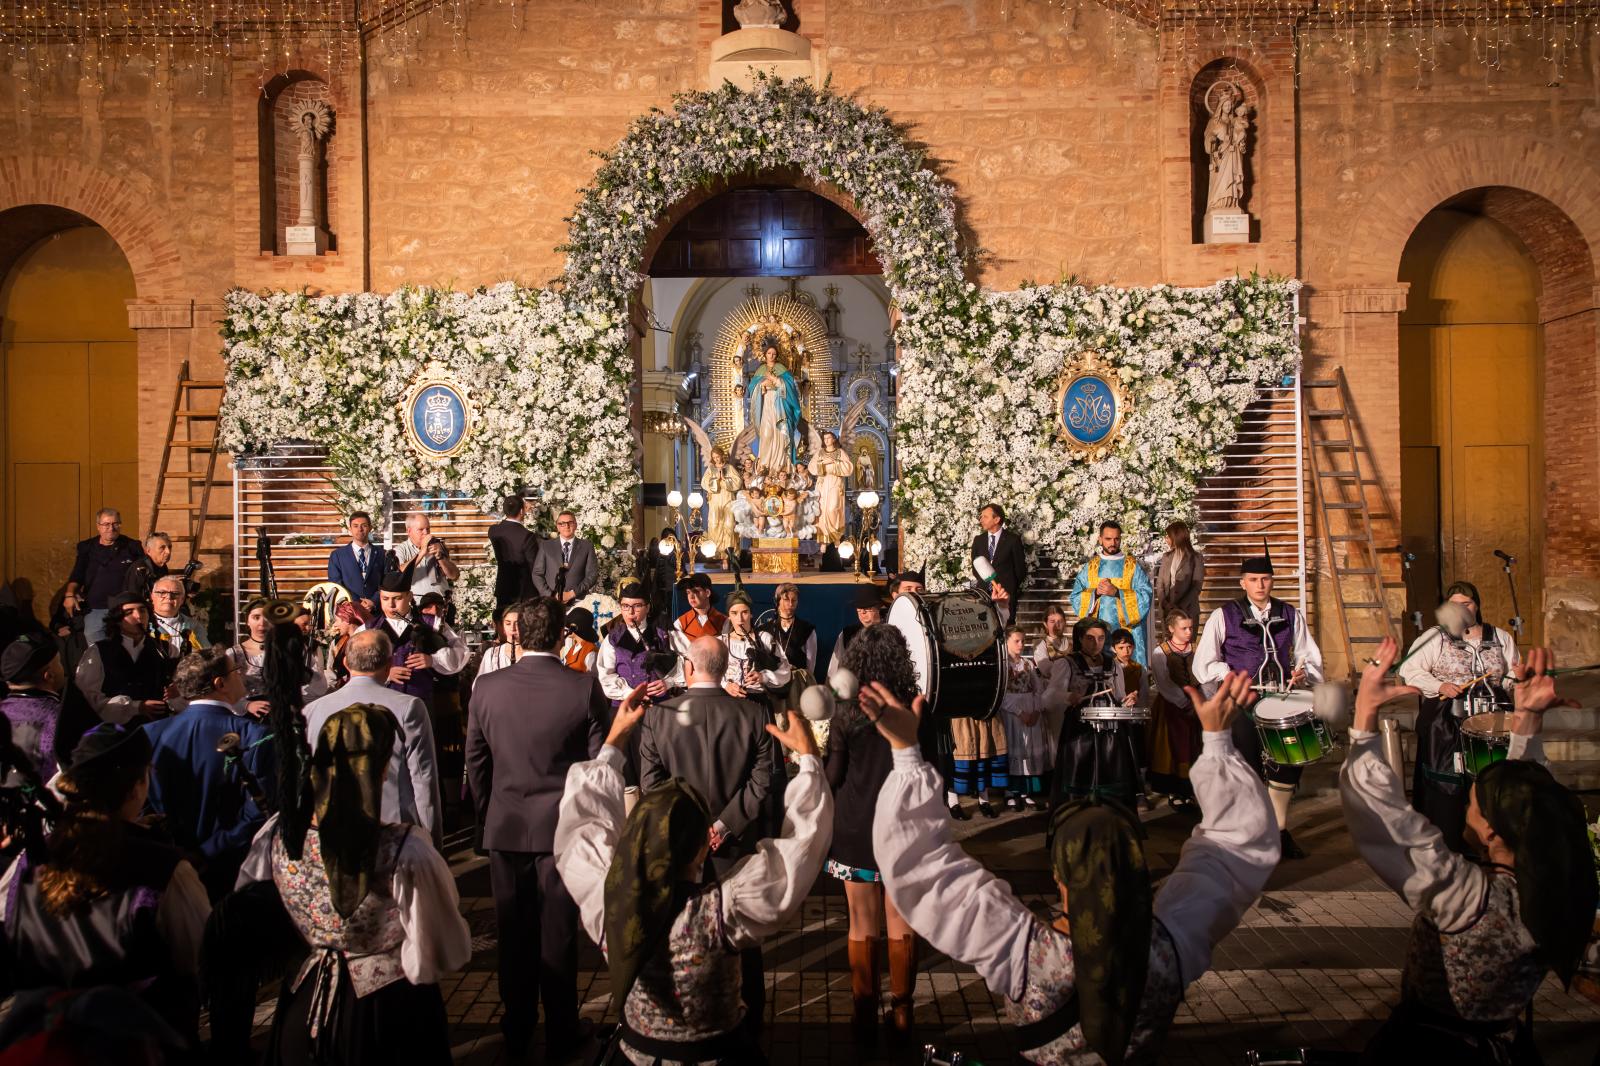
1558 671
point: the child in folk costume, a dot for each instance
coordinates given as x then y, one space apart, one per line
580 642
978 752
1104 981
1030 750
1485 934
1135 682
673 941
1174 735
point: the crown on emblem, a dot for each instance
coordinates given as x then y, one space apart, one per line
438 401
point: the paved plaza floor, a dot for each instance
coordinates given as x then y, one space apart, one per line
1315 963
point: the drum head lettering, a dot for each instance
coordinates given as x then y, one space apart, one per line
965 626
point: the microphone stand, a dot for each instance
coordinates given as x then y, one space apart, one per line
1507 562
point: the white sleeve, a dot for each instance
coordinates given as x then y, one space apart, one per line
837 659
611 682
680 639
586 834
1403 848
181 918
90 678
258 861
1041 656
1508 647
1226 860
762 890
774 679
811 652
1209 667
451 658
1306 652
945 895
1420 659
1527 748
437 938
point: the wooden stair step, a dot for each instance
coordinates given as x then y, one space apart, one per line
1347 475
1339 443
198 475
203 383
1365 571
1342 507
1368 640
1319 383
206 444
1362 605
1324 414
209 416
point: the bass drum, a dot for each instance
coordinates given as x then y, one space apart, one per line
956 650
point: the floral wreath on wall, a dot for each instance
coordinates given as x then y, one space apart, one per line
549 399
550 372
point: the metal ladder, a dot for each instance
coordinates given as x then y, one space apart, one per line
1341 492
183 485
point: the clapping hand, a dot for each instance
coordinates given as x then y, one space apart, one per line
630 712
894 720
1535 692
1376 688
1217 713
796 735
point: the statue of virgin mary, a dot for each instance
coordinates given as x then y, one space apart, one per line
774 400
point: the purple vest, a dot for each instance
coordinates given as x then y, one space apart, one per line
1242 647
421 682
632 656
33 714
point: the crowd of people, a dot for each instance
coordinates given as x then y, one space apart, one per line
186 822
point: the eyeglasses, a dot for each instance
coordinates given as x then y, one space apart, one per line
566 523
164 594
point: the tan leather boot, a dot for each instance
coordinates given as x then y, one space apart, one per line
902 982
865 975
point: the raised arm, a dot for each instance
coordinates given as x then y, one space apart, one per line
586 834
763 890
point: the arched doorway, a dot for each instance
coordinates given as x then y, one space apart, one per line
1472 429
759 237
68 365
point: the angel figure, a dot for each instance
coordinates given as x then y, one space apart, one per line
830 466
721 482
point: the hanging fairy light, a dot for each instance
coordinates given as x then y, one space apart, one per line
196 41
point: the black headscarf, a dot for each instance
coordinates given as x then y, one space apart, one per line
644 887
1096 852
347 783
1543 825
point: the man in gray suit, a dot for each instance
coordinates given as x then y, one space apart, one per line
725 754
527 724
411 788
565 568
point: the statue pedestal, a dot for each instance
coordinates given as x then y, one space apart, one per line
775 555
1227 227
738 55
305 240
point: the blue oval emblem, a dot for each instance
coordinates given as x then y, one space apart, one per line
438 419
1089 410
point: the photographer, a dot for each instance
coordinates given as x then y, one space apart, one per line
425 560
111 904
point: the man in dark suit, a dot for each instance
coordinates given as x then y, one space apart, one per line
566 567
360 565
514 551
1005 553
725 753
526 725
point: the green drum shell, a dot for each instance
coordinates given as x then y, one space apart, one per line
1485 740
1296 739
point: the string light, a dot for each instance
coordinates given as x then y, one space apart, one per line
193 42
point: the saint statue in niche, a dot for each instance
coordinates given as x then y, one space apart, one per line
1225 136
830 465
774 400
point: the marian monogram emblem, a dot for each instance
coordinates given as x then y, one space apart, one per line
1091 405
438 416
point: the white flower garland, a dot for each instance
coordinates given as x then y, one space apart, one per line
975 417
550 399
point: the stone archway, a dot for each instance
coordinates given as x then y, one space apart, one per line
1550 202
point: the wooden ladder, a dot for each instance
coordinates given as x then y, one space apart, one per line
1341 492
184 486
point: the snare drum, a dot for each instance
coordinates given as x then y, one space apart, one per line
1291 733
1112 717
956 650
1476 703
1485 740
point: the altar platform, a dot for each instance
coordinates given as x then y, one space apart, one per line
827 601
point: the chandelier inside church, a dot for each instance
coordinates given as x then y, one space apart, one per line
198 40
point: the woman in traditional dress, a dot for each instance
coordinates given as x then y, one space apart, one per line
1485 934
1174 735
375 902
830 466
507 647
722 483
672 940
1180 574
1449 670
252 652
775 412
1106 978
857 765
1029 749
